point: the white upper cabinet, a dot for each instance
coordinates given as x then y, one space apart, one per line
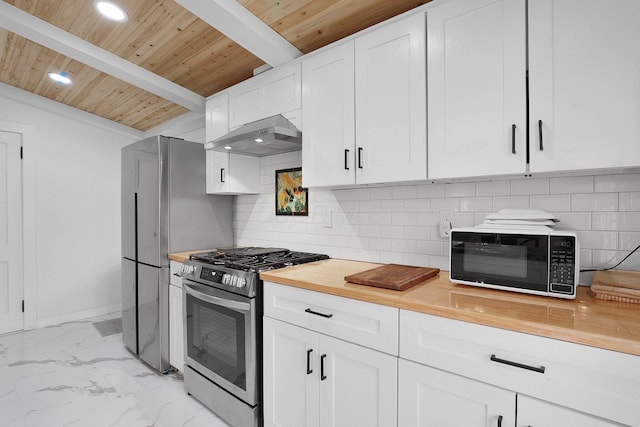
391 103
232 173
365 108
477 88
584 62
217 116
274 92
583 67
328 140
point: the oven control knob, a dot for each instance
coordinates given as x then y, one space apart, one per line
242 282
226 279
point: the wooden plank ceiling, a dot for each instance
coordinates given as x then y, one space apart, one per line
168 40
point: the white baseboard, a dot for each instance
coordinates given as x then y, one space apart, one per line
80 315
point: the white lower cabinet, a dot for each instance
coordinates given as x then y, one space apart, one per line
431 397
465 370
314 372
176 332
537 413
311 379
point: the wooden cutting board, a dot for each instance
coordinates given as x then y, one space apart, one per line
393 276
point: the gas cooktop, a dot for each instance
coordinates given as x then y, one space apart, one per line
255 259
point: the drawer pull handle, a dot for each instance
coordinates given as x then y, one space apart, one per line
346 159
328 316
309 370
500 421
322 375
539 369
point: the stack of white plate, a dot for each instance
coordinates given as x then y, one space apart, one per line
520 218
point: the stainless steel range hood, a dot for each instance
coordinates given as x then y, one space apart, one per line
265 137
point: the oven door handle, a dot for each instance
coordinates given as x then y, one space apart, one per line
222 302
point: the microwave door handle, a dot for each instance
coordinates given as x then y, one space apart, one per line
222 302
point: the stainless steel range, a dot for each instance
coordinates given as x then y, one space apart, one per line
222 296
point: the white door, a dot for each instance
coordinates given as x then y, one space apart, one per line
477 88
291 375
534 412
358 386
584 63
11 268
430 397
328 140
391 103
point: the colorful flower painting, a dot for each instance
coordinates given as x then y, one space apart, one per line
291 198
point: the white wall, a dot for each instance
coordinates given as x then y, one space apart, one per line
71 198
398 224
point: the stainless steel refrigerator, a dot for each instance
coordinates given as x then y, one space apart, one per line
164 209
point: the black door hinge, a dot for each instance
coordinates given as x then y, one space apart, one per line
23 306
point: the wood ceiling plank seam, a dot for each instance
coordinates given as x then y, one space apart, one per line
54 38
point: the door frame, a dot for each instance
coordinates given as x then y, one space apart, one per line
29 253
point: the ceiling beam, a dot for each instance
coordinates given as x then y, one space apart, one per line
236 22
52 37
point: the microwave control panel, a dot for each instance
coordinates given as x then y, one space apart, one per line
562 266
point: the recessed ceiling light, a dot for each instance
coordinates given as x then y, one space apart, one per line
110 10
259 140
60 78
227 147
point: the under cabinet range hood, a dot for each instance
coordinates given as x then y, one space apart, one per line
264 137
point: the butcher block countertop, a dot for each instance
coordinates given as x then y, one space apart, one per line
585 320
183 256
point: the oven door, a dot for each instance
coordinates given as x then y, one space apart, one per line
220 338
510 260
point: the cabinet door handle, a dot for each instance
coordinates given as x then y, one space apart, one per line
322 375
500 421
309 370
328 316
221 174
359 157
540 134
513 139
346 159
539 369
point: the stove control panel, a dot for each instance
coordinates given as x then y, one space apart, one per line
217 276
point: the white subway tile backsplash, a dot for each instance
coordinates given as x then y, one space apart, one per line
551 203
463 220
417 205
598 239
529 186
404 218
571 184
461 189
405 192
400 223
619 183
403 245
445 204
628 240
476 204
621 221
430 190
493 188
630 201
510 202
594 202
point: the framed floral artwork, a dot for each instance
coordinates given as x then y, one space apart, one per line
291 197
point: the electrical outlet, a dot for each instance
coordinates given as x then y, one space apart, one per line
446 223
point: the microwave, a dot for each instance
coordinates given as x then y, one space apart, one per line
536 261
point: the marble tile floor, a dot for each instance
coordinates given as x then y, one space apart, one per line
72 376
